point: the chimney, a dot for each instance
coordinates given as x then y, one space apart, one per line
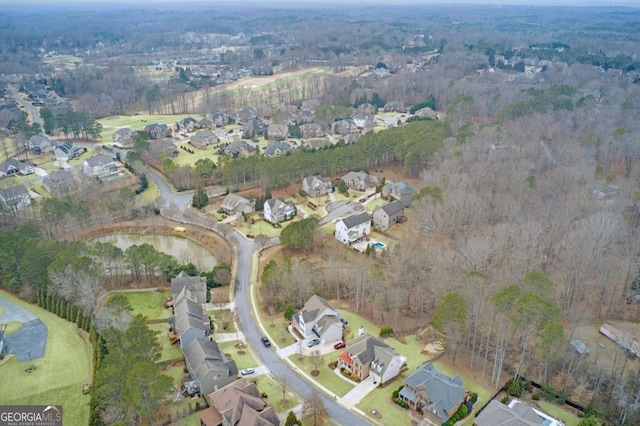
360 330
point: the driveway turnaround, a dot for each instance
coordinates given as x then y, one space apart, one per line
30 341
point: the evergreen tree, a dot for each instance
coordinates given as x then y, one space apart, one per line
200 199
292 419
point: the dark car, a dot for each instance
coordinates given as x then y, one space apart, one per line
340 345
265 342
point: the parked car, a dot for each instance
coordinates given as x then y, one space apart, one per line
247 371
313 342
265 342
340 345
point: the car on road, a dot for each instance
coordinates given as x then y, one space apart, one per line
247 371
340 345
265 341
313 342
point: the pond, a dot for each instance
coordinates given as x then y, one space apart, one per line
182 249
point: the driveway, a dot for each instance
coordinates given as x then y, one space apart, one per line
30 342
340 209
361 390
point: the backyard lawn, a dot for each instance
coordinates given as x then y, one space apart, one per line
149 303
59 376
169 351
274 393
327 377
185 158
558 413
380 400
259 227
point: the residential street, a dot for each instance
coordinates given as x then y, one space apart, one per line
33 110
175 207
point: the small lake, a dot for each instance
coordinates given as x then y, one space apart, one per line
182 249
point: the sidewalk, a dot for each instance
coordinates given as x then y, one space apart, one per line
219 306
228 337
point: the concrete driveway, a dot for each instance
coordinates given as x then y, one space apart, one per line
361 390
340 209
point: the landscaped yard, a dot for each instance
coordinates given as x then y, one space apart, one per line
259 227
59 376
137 122
558 413
467 382
274 393
185 158
327 377
371 205
380 400
219 316
169 351
276 328
148 303
243 360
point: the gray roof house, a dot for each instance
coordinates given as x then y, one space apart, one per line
367 356
395 106
360 181
188 124
67 151
237 148
277 132
343 127
254 127
196 286
15 198
189 319
318 319
123 137
203 138
39 144
433 392
498 414
208 365
364 120
401 191
235 204
353 228
317 186
278 210
13 166
311 130
59 183
276 149
384 217
99 166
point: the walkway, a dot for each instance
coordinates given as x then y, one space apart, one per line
228 337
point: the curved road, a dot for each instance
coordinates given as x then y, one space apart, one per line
246 248
34 112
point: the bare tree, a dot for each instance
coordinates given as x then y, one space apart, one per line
314 410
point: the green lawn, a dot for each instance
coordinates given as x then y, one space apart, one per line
380 400
176 373
355 321
411 350
274 394
371 205
149 303
218 315
327 377
150 194
12 327
59 376
185 158
169 351
244 360
260 226
467 383
276 328
558 413
192 419
137 122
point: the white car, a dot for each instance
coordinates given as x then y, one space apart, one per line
247 371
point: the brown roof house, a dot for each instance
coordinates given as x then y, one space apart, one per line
384 217
360 181
277 132
311 130
240 403
318 319
158 131
317 186
367 356
123 138
209 366
433 392
343 127
188 124
203 138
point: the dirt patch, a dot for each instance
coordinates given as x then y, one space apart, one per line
315 373
602 350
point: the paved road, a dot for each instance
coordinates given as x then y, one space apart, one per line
34 112
245 250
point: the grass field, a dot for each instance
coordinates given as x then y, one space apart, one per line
12 328
327 377
185 158
58 377
380 400
137 122
148 303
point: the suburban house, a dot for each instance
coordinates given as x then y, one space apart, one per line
317 186
353 228
237 148
203 138
195 286
235 204
239 403
367 108
123 137
400 191
318 319
318 143
364 120
384 217
244 114
254 127
158 131
367 356
99 166
278 210
305 116
189 320
208 365
311 130
276 149
437 395
360 181
66 151
59 183
39 144
188 124
163 147
395 106
218 119
15 198
277 132
13 166
426 112
516 413
343 127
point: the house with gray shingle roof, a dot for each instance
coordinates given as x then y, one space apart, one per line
59 183
189 319
384 217
203 138
208 365
277 132
235 204
360 181
39 144
278 210
515 414
13 166
353 228
239 403
401 191
196 286
365 355
277 149
433 392
15 198
66 151
317 186
318 319
99 166
123 137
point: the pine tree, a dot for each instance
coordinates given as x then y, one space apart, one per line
49 303
292 419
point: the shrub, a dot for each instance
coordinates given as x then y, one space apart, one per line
474 398
463 410
505 399
401 403
395 394
264 395
535 396
302 192
528 386
514 387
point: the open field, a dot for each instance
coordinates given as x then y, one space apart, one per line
149 304
59 376
327 377
185 158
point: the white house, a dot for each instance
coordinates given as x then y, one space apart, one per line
353 228
278 210
15 198
99 166
318 319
